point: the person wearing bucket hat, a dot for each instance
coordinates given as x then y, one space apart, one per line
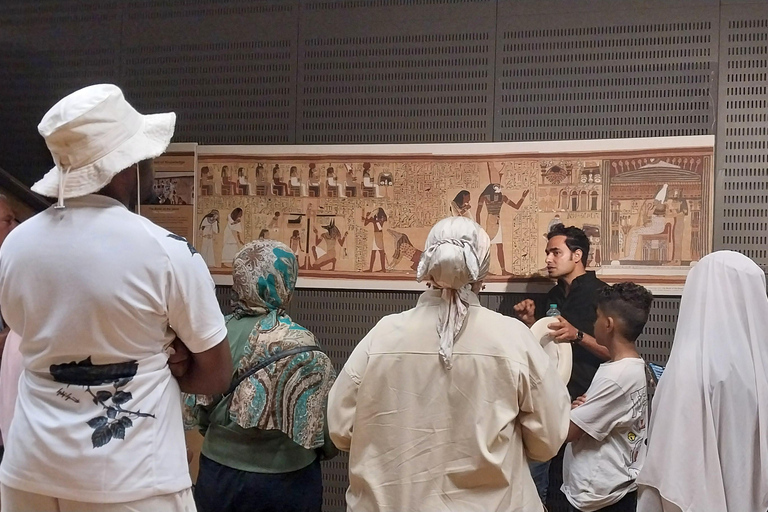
116 315
440 406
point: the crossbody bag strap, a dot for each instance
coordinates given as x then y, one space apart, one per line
266 362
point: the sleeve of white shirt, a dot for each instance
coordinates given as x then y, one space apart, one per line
605 407
342 399
544 404
193 310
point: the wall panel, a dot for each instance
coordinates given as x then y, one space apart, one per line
741 192
389 71
596 72
228 69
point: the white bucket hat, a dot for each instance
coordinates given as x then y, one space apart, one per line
93 134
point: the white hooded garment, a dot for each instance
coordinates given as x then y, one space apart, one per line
708 439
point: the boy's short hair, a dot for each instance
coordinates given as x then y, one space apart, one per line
575 238
630 303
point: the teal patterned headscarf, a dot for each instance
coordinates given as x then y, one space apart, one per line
264 276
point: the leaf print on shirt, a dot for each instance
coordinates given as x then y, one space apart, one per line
116 419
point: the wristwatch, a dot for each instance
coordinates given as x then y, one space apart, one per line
579 337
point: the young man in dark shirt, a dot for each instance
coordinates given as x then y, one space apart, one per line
576 298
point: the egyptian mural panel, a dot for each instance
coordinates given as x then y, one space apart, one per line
647 213
659 209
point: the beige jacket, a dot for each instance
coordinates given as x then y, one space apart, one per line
423 438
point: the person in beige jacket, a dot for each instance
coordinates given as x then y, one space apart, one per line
442 406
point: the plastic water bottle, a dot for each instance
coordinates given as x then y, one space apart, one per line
553 311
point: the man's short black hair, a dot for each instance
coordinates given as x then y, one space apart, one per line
575 238
629 303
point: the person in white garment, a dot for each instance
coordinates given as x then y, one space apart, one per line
608 423
441 406
209 226
233 239
116 316
708 435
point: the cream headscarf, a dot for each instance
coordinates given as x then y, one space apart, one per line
708 436
456 255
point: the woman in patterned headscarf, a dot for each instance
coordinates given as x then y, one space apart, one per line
264 440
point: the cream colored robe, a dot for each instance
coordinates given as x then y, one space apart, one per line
423 438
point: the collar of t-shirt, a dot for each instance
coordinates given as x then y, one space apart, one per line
93 200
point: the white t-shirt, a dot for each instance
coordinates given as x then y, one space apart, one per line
600 468
97 293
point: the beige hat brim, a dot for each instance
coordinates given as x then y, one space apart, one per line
150 141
